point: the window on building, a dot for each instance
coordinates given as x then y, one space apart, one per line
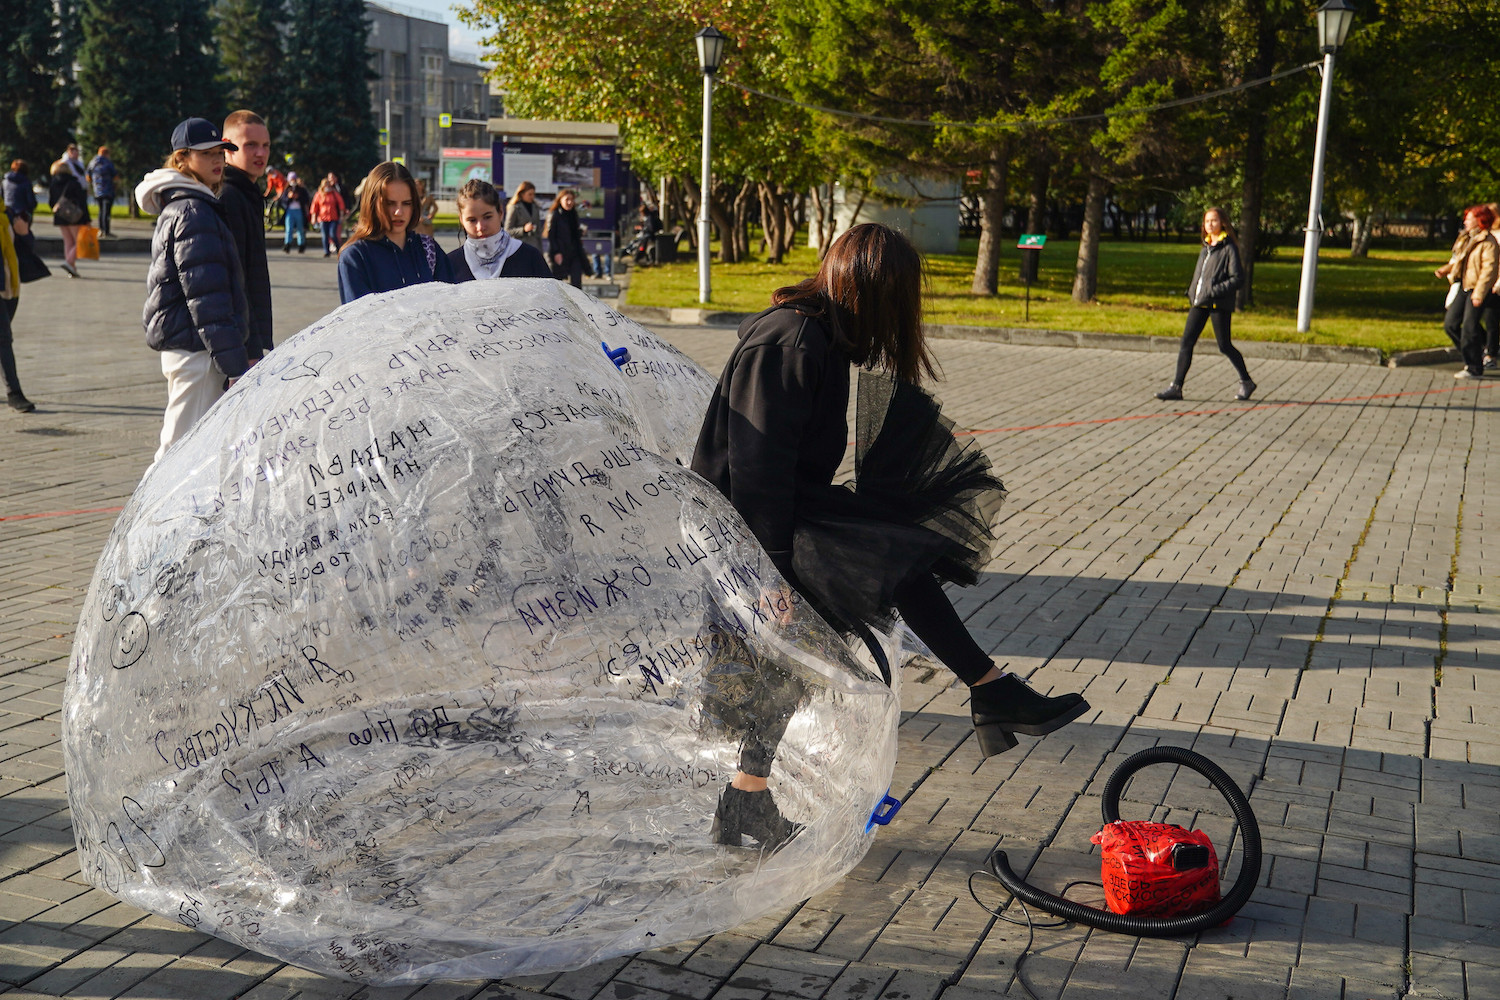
398 76
433 142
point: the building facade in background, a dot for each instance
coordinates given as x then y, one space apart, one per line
423 80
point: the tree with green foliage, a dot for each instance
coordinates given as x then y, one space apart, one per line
250 47
127 100
325 121
37 120
194 72
969 61
633 62
142 68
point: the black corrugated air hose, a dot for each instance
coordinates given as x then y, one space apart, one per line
1227 907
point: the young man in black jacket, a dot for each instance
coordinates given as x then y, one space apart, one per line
244 205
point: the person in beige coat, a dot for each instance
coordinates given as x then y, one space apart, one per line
1478 272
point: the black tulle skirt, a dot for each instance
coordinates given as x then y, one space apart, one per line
922 501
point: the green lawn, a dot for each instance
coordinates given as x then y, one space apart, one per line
1390 301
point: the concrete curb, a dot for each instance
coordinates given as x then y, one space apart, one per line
52 246
1279 350
1426 356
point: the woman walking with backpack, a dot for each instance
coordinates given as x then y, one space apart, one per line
70 211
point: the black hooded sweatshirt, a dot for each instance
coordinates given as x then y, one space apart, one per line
243 211
776 427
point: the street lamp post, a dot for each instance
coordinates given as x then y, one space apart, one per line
710 50
1333 27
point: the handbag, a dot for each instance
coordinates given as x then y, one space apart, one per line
67 211
88 243
28 263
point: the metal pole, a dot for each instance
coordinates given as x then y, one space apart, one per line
708 125
1315 205
387 129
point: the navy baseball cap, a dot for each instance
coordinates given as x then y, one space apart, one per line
199 133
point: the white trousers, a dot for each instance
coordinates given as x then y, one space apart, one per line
193 385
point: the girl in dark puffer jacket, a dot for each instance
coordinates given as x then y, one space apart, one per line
196 308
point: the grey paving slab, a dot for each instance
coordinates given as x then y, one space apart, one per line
1302 587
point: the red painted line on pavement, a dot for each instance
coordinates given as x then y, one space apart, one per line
1227 409
1029 427
63 513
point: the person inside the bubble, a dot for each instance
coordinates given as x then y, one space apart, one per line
919 513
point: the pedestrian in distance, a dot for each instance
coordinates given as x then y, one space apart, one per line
296 204
1492 318
348 200
327 210
72 158
102 174
489 251
1477 274
426 211
244 209
20 199
70 210
196 310
384 252
1216 278
564 238
275 186
10 299
523 219
921 512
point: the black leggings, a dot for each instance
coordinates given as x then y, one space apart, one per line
762 715
928 612
7 350
1197 317
1471 328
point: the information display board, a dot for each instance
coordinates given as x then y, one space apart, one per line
593 170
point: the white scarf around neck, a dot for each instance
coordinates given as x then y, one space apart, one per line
487 256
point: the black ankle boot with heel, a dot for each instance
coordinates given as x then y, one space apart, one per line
753 813
1006 706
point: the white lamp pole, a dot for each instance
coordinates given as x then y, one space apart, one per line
1333 27
710 50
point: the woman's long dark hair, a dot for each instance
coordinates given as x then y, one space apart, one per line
870 289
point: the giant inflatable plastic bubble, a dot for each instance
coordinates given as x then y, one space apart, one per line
424 657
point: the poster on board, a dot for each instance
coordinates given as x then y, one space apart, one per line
459 166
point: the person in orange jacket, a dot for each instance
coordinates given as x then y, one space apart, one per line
328 211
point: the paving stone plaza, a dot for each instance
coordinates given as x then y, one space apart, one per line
1296 587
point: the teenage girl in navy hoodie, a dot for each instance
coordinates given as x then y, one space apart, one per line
384 253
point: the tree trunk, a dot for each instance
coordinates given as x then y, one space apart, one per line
1086 271
1257 115
718 213
1364 226
742 204
773 222
991 216
789 220
766 223
1036 212
685 201
1250 202
858 205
